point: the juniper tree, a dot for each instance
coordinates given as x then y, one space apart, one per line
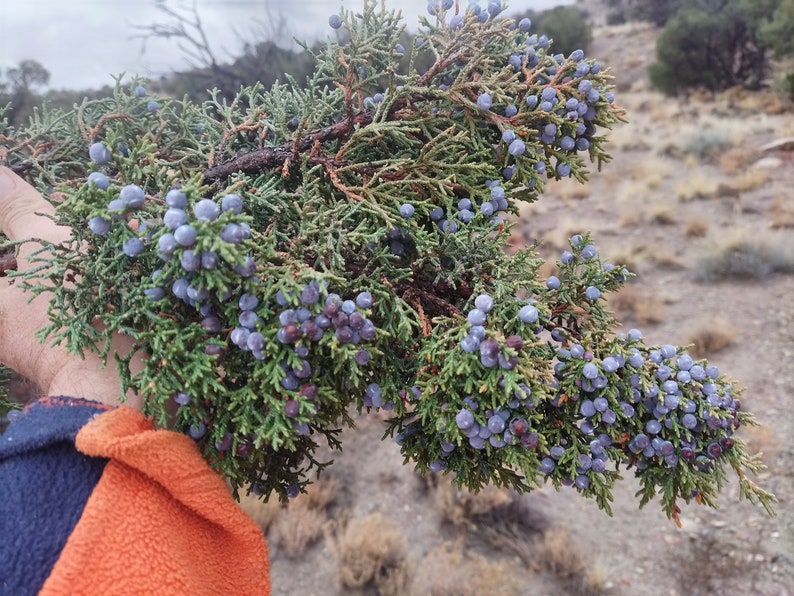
303 254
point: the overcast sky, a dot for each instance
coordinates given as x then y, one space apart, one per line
82 42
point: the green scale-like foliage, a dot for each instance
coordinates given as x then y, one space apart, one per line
354 184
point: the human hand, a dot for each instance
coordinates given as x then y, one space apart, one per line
57 372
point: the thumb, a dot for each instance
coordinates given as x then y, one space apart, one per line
23 214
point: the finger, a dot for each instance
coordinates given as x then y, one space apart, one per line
23 215
19 348
53 368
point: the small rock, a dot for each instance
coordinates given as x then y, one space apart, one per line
782 144
768 163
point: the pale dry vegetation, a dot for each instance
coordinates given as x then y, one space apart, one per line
696 227
708 564
711 336
635 305
781 213
372 555
263 513
743 253
662 215
748 181
302 522
449 570
736 159
696 185
761 439
460 506
567 190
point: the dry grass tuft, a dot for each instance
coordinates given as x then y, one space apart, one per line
782 213
712 564
711 337
750 180
744 254
595 581
630 304
628 220
558 238
736 159
708 144
514 526
568 189
460 506
560 555
766 101
666 260
303 520
296 529
651 173
630 192
696 186
449 571
696 227
761 439
663 215
511 526
261 512
373 556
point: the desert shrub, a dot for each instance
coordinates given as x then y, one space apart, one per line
373 554
777 31
710 45
567 26
707 144
697 227
561 555
663 215
616 17
711 564
749 180
461 507
696 185
304 519
712 336
448 570
782 212
743 254
636 305
262 512
657 12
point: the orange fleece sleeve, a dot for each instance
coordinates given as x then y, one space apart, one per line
159 521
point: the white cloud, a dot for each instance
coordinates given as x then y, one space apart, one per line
83 42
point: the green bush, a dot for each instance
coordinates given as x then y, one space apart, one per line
717 44
617 17
313 250
657 12
709 46
567 26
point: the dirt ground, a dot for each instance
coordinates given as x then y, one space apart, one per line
691 202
